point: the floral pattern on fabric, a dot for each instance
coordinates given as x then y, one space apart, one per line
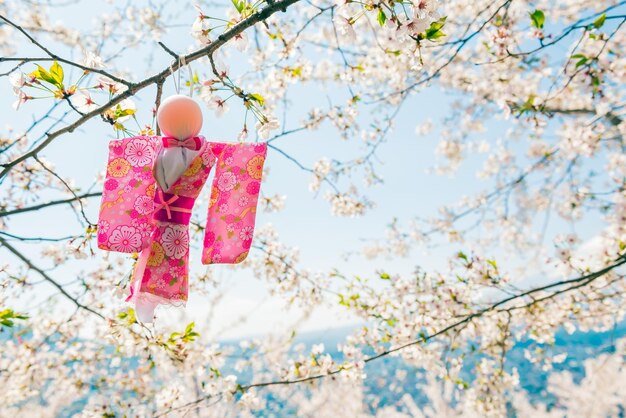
166 273
233 202
175 241
157 254
167 267
124 239
127 224
125 219
139 153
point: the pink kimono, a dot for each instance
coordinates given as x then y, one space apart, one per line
136 215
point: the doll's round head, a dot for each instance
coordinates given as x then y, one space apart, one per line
179 116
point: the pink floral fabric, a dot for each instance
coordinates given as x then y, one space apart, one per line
234 197
126 209
130 220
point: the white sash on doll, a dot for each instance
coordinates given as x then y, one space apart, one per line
171 163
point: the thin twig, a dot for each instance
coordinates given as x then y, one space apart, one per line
134 88
48 204
578 282
49 279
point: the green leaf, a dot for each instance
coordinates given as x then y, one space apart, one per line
527 106
599 21
538 18
434 32
119 112
385 276
257 98
462 255
44 75
56 71
595 84
128 315
239 5
7 317
295 72
382 17
582 60
595 81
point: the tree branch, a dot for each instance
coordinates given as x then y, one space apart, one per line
55 57
133 88
52 203
576 282
49 279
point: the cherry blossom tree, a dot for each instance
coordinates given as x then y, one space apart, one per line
547 76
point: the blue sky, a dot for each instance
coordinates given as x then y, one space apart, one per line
306 222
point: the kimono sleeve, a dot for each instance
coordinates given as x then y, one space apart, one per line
125 218
233 202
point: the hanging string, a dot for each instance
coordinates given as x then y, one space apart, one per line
177 83
181 59
183 63
177 79
176 87
191 81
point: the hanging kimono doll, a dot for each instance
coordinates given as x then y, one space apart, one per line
149 191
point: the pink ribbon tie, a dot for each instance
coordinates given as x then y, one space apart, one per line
172 208
165 204
193 143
